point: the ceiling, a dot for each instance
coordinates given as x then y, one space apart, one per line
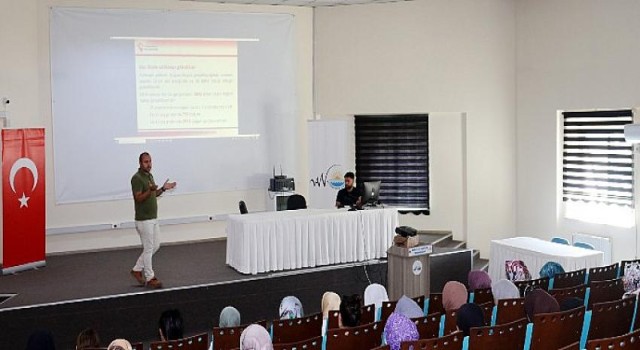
305 3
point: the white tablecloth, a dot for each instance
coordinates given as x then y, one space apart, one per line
282 240
536 252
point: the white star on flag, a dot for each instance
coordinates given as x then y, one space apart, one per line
24 201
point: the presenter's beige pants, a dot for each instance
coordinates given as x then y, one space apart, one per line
149 231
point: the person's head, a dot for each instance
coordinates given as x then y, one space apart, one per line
145 161
330 302
88 338
408 307
504 289
229 317
539 301
375 293
349 177
255 337
478 279
170 325
120 344
41 340
454 295
350 310
291 307
398 329
469 316
551 269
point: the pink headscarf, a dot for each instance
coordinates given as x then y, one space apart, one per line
454 295
479 279
255 337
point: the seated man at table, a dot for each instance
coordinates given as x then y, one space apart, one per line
350 195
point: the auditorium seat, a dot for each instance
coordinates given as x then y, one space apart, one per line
482 295
558 329
623 265
382 347
197 342
509 310
570 292
526 286
435 303
389 306
449 342
309 344
297 329
603 273
574 346
368 316
428 326
487 312
227 338
623 342
367 336
611 319
602 291
450 322
508 336
569 279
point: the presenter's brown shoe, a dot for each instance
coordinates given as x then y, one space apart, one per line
138 276
154 283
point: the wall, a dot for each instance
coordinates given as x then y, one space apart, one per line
571 55
25 79
435 56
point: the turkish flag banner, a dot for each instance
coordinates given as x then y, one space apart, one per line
23 199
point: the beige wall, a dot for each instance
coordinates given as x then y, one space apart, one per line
435 56
25 79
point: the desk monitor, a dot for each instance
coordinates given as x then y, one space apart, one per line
371 193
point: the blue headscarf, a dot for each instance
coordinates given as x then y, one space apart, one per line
550 269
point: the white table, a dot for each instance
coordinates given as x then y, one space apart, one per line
536 252
283 240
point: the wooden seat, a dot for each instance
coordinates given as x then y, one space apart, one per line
362 337
448 342
368 316
197 342
509 310
388 307
507 336
450 322
297 329
435 303
611 319
623 265
624 342
226 338
603 273
569 279
428 326
557 329
487 312
603 291
382 347
574 346
481 296
571 292
526 286
309 344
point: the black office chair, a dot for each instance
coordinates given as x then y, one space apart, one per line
243 207
295 202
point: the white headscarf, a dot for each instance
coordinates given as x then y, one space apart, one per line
375 294
255 337
330 302
291 307
504 289
120 343
229 317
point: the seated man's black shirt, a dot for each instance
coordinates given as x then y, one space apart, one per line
347 198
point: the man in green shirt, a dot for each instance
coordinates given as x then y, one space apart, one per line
145 193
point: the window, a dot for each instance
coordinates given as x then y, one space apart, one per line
597 171
394 149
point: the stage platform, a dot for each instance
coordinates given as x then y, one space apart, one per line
95 290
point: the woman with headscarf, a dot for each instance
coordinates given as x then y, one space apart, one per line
41 340
409 308
375 294
539 301
255 337
330 302
229 317
398 329
290 308
551 269
454 295
469 316
87 339
120 344
478 279
504 289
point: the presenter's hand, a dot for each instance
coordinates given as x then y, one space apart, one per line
169 185
152 186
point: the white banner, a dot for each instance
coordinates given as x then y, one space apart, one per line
331 154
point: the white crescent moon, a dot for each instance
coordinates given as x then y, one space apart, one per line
19 164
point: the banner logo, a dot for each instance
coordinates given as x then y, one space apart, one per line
17 165
332 176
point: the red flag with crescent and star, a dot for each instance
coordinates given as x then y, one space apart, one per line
23 197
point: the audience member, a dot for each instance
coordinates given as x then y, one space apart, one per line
229 317
469 316
171 326
454 295
375 294
351 310
478 279
398 329
409 307
550 269
539 301
87 339
571 303
41 340
255 337
330 302
290 308
120 344
504 289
